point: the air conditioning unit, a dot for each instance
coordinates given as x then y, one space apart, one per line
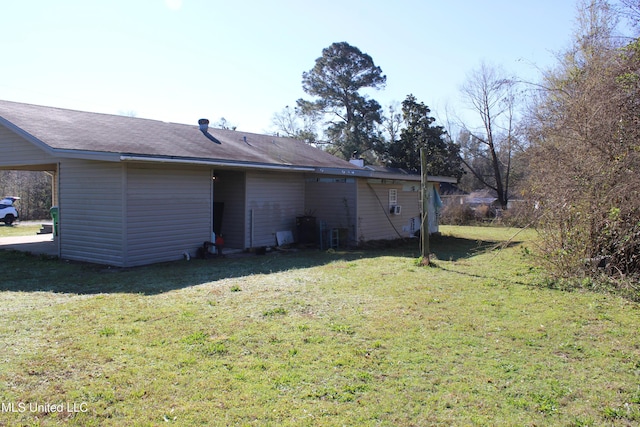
395 210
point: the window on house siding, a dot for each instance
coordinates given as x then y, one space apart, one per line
393 197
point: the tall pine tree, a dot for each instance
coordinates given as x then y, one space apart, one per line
336 81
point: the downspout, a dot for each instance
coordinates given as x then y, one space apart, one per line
251 229
125 211
212 212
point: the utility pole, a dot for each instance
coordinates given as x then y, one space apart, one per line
424 195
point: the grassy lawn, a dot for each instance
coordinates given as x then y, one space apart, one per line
316 338
19 229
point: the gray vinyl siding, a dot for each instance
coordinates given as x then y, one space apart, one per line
374 220
229 188
91 207
334 203
16 151
274 200
169 212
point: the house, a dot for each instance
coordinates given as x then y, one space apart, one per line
134 191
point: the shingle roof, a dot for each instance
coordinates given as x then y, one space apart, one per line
65 131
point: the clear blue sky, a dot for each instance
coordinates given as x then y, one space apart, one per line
181 60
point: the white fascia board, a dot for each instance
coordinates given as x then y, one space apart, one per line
212 162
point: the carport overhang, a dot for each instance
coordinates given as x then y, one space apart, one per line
49 167
37 244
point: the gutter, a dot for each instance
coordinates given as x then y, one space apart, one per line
85 155
265 166
367 173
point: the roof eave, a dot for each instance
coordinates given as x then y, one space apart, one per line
368 173
447 179
104 156
215 162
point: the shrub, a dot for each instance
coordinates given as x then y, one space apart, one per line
520 214
584 133
456 214
484 212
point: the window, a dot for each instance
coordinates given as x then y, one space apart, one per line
393 197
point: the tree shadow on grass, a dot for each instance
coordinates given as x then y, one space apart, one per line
456 248
23 272
451 248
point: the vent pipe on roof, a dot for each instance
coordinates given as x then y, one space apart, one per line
204 128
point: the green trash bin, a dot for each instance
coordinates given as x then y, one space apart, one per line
54 215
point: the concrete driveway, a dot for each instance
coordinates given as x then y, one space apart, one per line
36 244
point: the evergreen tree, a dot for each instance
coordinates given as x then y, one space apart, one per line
419 131
336 80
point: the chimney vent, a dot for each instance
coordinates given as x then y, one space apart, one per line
204 125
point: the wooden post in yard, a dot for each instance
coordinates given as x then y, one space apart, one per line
424 194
